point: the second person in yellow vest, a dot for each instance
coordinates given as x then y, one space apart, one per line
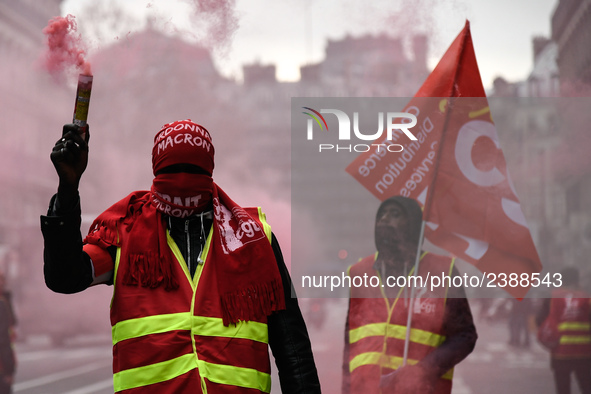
442 332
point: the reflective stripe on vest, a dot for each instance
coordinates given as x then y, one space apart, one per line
266 227
395 331
574 326
198 325
574 338
153 373
386 361
170 369
236 376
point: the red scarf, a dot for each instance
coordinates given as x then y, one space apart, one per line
248 276
182 195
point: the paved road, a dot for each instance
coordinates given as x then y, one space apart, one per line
84 366
75 368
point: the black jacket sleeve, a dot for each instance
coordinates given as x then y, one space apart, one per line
66 267
346 381
289 340
460 333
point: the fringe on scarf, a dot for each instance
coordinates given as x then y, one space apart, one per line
148 270
104 233
252 303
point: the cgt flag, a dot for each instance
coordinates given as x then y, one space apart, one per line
457 171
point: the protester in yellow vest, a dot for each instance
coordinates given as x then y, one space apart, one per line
565 328
442 332
200 287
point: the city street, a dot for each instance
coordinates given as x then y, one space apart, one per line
78 367
83 365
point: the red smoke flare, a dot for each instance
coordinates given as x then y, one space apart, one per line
65 48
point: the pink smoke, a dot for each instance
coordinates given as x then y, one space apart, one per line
220 19
65 48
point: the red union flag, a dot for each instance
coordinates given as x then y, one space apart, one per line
457 171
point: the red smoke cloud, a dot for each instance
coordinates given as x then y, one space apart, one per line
219 18
65 48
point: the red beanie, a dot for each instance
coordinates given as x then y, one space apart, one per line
183 142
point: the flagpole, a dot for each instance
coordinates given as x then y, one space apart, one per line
412 295
448 110
429 197
426 213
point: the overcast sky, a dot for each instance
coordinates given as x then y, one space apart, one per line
290 33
